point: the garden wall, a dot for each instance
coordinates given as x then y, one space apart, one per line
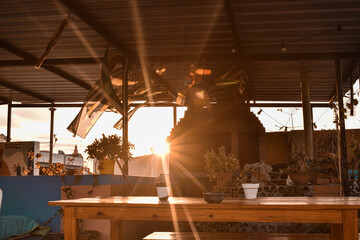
281 144
29 195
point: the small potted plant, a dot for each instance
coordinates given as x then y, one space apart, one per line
106 150
254 174
220 166
303 169
162 188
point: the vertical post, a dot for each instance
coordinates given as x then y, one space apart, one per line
52 110
342 133
351 82
71 224
8 134
125 115
174 115
307 112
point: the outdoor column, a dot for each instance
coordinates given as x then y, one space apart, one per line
8 134
343 163
52 110
307 112
351 83
125 115
174 115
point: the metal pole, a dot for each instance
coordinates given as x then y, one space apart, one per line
8 134
341 121
175 115
52 110
125 115
307 112
351 82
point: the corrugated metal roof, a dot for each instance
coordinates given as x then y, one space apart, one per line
179 33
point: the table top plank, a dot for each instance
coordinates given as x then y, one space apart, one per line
300 203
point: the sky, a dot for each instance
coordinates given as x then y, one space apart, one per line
149 126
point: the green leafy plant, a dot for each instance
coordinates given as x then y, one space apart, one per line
257 172
219 163
109 147
302 164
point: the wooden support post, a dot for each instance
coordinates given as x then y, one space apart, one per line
307 112
71 227
175 115
8 134
116 229
51 148
341 124
351 82
125 95
350 225
335 231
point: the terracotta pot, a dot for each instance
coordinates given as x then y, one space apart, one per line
106 166
302 179
224 179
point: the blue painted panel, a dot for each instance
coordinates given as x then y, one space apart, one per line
29 195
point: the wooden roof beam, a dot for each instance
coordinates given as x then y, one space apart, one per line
4 100
105 34
168 104
25 91
209 58
238 44
47 62
232 22
345 75
266 57
55 70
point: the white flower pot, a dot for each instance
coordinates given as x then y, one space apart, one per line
250 190
163 193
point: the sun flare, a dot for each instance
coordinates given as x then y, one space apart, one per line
161 148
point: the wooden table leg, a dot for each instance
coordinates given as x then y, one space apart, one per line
115 229
336 232
70 223
350 225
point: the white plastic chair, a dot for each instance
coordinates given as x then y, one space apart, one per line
1 196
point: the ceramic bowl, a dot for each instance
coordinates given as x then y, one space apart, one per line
213 197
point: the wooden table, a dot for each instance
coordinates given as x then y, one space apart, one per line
339 212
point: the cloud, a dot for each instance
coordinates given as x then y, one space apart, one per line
29 114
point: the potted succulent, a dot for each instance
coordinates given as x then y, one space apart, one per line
254 174
162 188
106 150
220 166
303 169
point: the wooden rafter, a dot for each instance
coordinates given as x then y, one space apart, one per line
47 62
101 30
4 100
55 70
345 75
238 44
219 58
209 58
232 22
105 34
25 91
